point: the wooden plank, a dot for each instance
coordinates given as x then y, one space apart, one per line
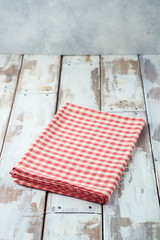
73 226
80 84
9 70
121 88
150 67
80 81
133 210
22 208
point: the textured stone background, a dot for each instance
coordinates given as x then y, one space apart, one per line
80 26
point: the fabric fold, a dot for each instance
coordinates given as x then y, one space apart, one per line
81 153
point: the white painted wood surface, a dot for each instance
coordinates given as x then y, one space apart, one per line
9 70
80 84
39 73
121 88
22 208
73 226
132 212
150 66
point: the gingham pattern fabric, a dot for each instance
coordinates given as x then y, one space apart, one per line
81 153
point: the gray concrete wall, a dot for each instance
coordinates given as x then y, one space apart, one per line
80 26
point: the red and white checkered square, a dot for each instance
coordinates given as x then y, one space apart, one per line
81 153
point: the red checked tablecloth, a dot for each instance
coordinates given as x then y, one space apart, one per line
81 153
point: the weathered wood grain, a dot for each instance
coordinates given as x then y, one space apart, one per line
80 81
127 215
133 210
121 88
9 70
41 71
80 84
150 67
73 226
22 208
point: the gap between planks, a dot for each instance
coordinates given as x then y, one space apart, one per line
100 107
46 196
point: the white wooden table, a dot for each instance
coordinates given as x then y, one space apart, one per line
32 89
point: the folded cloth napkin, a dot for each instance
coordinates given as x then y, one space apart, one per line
81 153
